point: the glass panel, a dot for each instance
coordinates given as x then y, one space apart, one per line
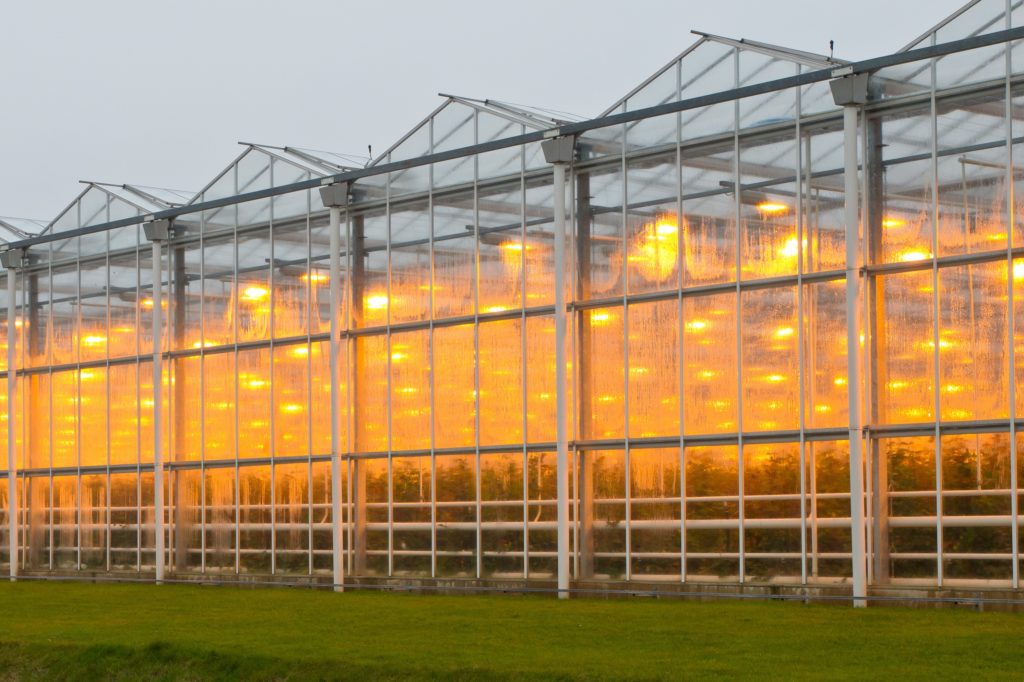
539 248
410 390
219 404
252 287
320 397
218 293
220 520
187 412
39 420
293 280
771 396
64 386
501 377
502 253
186 507
186 297
905 347
652 225
323 527
654 369
712 513
371 393
124 407
972 342
254 519
540 379
910 464
410 283
769 246
654 510
454 255
829 509
709 223
709 362
904 232
411 495
824 224
503 507
254 403
291 400
292 518
604 473
37 531
825 358
454 393
456 516
371 550
772 489
601 374
542 514
601 236
94 522
64 522
93 403
124 522
976 482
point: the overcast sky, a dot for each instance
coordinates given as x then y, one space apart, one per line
160 93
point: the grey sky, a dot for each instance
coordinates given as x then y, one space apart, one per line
159 93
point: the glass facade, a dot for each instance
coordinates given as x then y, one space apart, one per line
708 360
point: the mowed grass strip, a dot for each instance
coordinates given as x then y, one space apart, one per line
75 631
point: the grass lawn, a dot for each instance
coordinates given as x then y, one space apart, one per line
174 632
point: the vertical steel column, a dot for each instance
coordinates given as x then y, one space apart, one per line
851 115
335 350
157 232
851 93
561 431
559 152
335 197
12 464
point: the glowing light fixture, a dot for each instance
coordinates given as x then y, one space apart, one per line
772 208
792 248
600 318
316 278
94 340
784 332
255 293
696 325
913 256
1018 270
377 302
893 223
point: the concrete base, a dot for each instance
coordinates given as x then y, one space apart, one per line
980 599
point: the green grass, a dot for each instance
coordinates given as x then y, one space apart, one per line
71 631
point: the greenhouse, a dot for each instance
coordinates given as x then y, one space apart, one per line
755 324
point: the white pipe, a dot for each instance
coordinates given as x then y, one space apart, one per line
561 390
12 464
158 441
850 121
335 349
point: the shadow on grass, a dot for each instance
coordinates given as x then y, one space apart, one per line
173 663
